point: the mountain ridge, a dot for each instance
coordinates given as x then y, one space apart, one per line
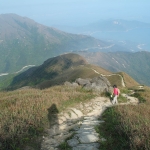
24 42
131 32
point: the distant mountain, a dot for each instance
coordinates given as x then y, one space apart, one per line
24 42
67 67
133 35
117 25
135 64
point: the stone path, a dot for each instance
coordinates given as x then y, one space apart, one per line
78 125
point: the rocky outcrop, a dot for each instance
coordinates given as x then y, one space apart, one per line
99 84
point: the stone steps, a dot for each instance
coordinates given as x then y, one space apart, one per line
78 124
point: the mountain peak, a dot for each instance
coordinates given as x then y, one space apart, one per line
69 59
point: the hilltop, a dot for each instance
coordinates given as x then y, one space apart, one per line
66 67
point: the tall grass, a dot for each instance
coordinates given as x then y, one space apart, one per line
24 113
128 127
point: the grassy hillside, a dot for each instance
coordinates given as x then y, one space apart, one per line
67 67
57 70
137 65
127 126
129 81
54 71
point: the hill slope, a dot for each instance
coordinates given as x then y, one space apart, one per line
136 64
57 70
24 42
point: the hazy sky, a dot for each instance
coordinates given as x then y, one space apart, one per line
77 12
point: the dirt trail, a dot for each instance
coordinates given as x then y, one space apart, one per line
122 80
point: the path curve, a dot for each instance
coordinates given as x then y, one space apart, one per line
122 80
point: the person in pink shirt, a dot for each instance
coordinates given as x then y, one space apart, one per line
115 94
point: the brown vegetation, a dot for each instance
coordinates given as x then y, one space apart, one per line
24 113
128 126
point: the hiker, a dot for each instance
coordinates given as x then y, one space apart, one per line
115 94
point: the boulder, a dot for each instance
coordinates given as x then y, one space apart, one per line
82 82
99 84
71 84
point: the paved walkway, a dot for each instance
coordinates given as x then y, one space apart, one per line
78 125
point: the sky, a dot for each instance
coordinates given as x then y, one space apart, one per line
77 12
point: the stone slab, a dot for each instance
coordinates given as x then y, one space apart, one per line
89 138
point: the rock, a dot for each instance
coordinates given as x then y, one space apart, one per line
66 115
77 112
99 84
90 118
96 122
82 131
63 118
73 115
73 142
91 146
67 83
82 82
89 138
60 121
74 85
52 148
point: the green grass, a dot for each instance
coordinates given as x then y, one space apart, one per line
112 132
122 99
140 98
65 146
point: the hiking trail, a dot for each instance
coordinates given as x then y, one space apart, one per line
78 125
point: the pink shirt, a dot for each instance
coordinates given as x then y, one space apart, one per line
116 91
